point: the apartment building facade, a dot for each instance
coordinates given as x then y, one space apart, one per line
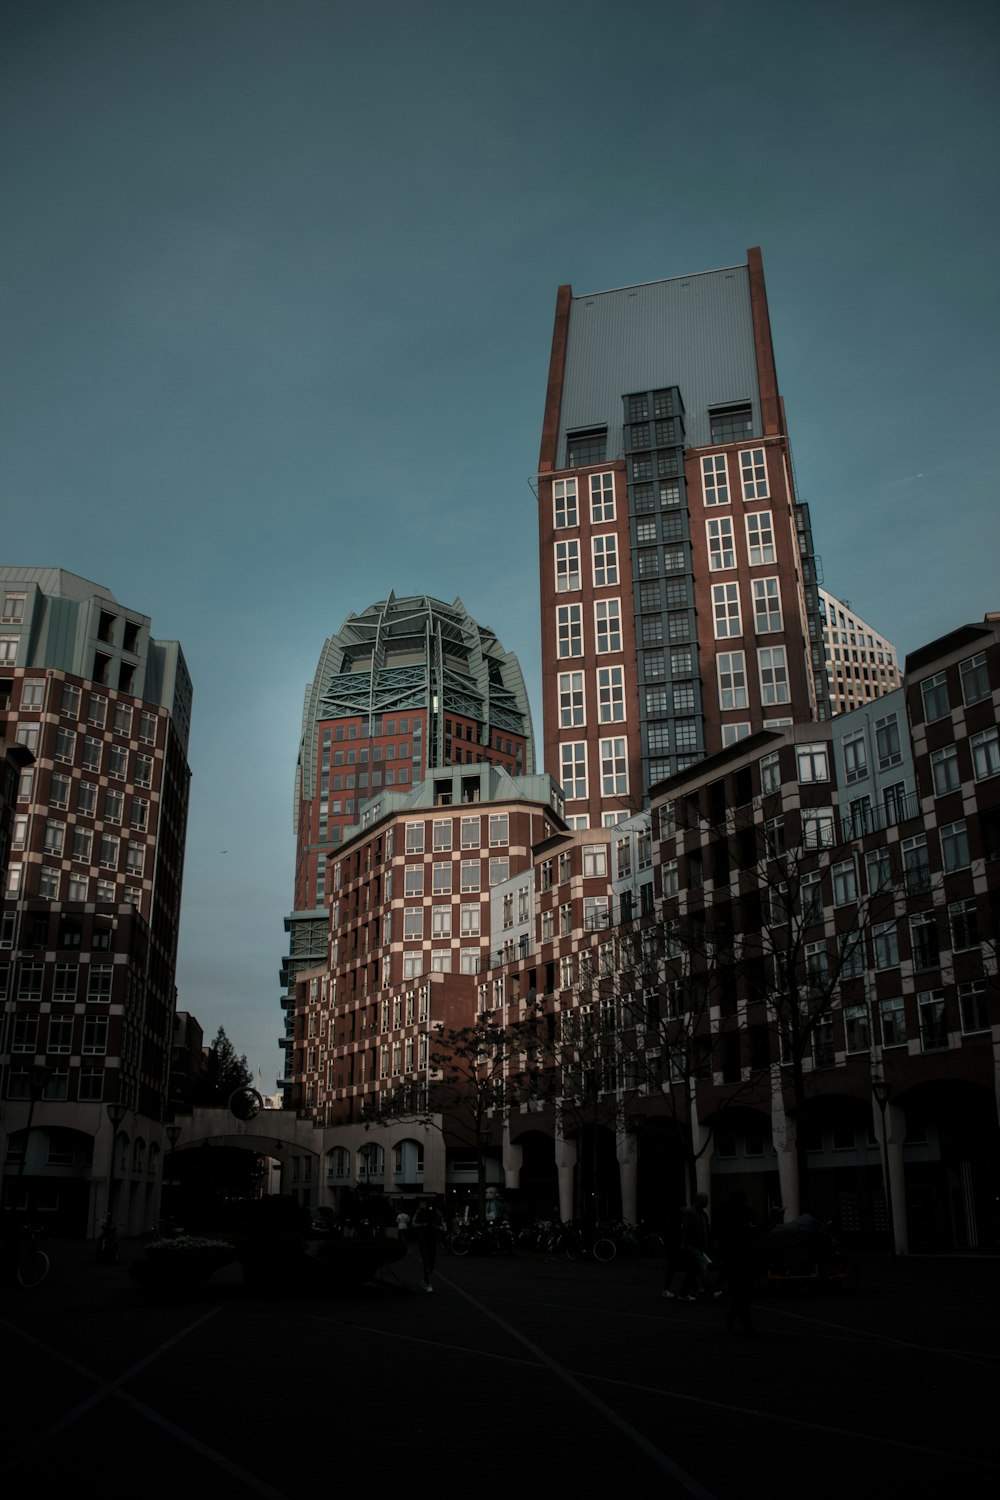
861 665
91 905
679 600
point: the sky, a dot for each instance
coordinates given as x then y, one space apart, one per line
277 280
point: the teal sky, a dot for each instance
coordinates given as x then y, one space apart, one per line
276 285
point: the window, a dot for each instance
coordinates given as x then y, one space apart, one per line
924 940
733 733
564 506
147 728
440 921
59 791
611 694
963 918
567 555
614 768
442 879
887 747
972 1006
845 883
117 762
602 498
728 424
32 693
122 719
773 674
413 880
114 803
885 943
109 852
471 875
955 847
608 624
714 479
99 982
732 679
813 762
753 472
766 605
985 754
82 840
97 712
934 691
586 447
721 549
760 538
13 608
60 1037
595 859
857 1032
414 838
140 813
413 922
944 769
595 913
571 706
770 774
569 629
499 871
933 1025
143 770
55 836
470 920
499 830
893 1017
442 834
605 552
91 1083
726 610
95 1035
573 768
468 962
855 758
975 679
8 649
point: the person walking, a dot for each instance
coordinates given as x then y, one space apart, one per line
428 1226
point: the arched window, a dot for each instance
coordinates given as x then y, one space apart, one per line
138 1154
339 1162
371 1162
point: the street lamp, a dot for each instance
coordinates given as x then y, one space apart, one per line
880 1093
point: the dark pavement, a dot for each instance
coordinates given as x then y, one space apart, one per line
526 1374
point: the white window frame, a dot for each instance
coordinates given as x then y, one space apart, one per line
767 616
715 479
608 625
572 704
573 769
565 512
772 668
614 767
569 630
731 667
567 565
753 473
602 498
721 543
611 695
604 551
726 611
760 538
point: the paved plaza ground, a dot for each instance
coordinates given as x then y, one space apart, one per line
526 1376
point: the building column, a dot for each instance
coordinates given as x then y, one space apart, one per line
628 1170
565 1154
512 1155
895 1127
783 1140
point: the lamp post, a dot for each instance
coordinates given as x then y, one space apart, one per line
880 1093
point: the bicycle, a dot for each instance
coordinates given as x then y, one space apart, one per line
26 1262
